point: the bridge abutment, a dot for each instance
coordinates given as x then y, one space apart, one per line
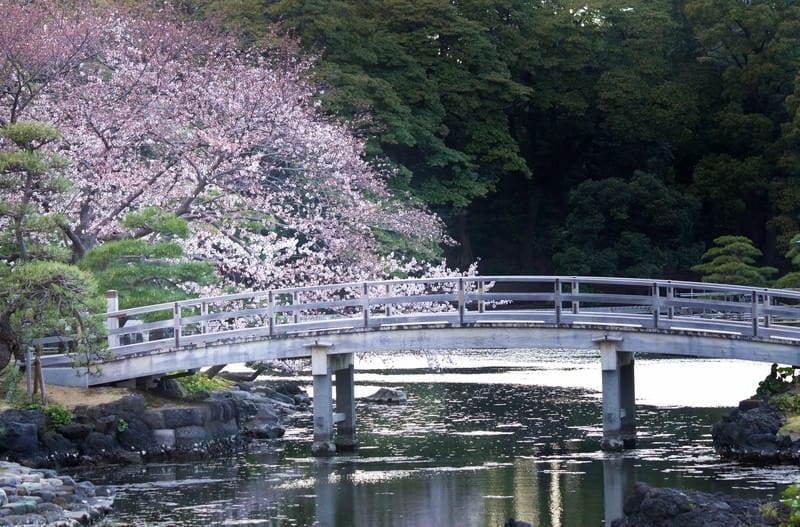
324 365
619 396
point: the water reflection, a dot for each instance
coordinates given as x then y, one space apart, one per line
618 480
458 453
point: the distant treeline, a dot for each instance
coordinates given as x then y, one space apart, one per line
609 137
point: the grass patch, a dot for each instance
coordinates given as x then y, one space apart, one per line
200 382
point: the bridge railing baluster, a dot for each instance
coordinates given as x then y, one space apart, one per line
656 304
767 304
271 312
112 323
461 304
576 291
754 311
365 303
670 298
176 323
557 300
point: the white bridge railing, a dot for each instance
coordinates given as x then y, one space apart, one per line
623 303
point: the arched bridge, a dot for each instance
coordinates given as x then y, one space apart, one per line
329 323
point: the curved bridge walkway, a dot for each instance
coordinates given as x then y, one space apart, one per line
329 323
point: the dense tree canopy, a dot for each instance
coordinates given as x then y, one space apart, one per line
156 112
497 112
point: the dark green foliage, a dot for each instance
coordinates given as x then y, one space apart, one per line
42 299
778 382
731 261
28 176
791 279
58 416
639 227
505 115
148 272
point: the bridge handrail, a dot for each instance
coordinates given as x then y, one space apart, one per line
374 302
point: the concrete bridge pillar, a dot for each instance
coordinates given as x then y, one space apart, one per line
345 404
619 397
325 364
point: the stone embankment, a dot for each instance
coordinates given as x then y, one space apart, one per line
128 430
41 497
753 433
662 507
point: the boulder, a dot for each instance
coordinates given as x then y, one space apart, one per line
387 396
751 434
663 507
169 388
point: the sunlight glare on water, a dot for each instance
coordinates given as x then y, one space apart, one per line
484 435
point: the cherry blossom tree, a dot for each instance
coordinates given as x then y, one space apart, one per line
158 112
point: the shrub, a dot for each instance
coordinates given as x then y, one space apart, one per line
57 415
200 382
791 498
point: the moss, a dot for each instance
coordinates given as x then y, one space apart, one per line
791 427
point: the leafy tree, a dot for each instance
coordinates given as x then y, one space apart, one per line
638 227
172 115
753 49
785 190
41 299
29 182
151 271
731 261
792 278
38 298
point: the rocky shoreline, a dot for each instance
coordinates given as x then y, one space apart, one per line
664 507
128 431
132 430
42 497
752 433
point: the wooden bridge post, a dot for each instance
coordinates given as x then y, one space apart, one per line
619 403
112 323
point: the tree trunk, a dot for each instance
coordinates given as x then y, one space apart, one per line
9 345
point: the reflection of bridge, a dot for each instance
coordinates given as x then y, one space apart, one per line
330 323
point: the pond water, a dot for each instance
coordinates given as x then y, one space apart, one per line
485 435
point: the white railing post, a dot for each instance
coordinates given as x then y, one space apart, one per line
295 314
461 306
754 311
365 303
656 304
557 300
271 312
481 301
670 298
576 289
203 314
767 305
388 308
112 323
176 323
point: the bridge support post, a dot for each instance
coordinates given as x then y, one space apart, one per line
619 402
345 403
324 365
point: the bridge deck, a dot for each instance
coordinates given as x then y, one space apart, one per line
688 318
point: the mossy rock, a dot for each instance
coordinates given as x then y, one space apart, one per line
791 428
